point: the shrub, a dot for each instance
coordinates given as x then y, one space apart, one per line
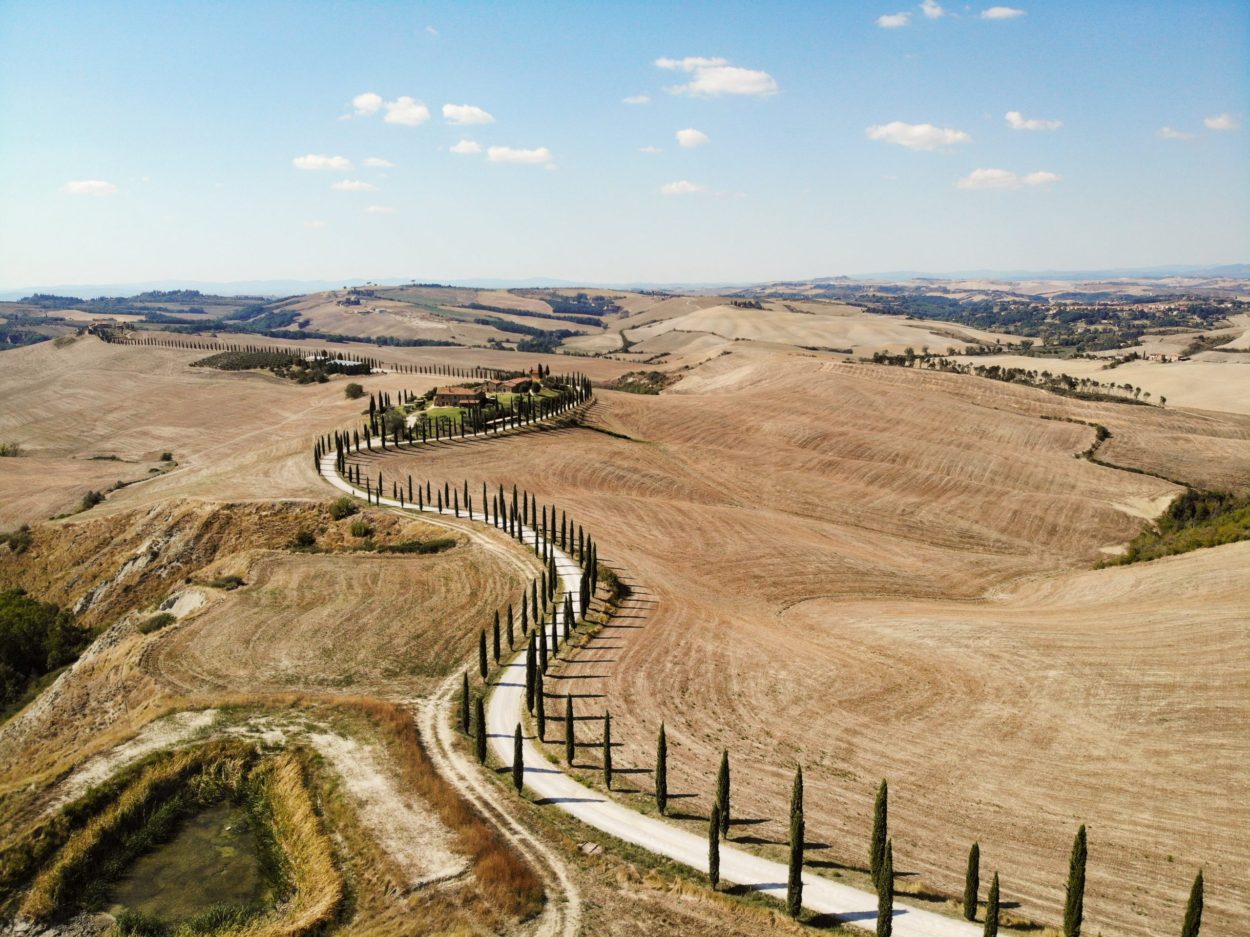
342 507
361 527
227 582
167 457
157 622
419 546
35 639
140 924
304 539
10 450
90 500
18 540
353 391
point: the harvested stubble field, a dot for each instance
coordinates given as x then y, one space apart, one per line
235 435
884 573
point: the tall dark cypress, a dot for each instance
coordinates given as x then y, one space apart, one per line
798 830
525 618
661 772
570 743
885 893
495 644
482 666
1193 911
1074 905
464 705
511 639
972 882
880 832
991 910
479 717
607 750
540 707
518 761
722 793
713 847
568 615
530 664
542 649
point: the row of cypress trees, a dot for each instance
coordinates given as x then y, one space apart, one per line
573 390
119 337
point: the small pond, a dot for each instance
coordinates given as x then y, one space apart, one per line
211 860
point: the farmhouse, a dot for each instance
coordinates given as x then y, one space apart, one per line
513 385
458 397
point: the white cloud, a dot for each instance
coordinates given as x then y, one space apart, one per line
893 20
431 30
1167 133
508 154
321 161
380 210
404 110
367 103
1004 179
637 99
691 137
1221 122
88 187
932 10
689 63
1040 178
467 147
354 185
715 76
649 149
466 114
917 136
682 187
314 223
1017 121
377 162
1001 13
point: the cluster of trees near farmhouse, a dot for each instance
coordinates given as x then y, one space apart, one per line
385 425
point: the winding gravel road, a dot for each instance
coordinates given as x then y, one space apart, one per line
505 708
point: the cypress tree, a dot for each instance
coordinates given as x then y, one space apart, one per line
991 910
798 830
495 645
885 893
607 750
518 762
534 602
972 882
570 743
529 676
713 847
1193 911
525 623
661 772
542 649
880 832
1074 905
722 793
510 632
482 667
568 615
464 705
540 707
479 715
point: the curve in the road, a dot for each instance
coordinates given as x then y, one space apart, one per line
505 708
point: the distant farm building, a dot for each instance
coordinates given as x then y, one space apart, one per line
513 385
458 397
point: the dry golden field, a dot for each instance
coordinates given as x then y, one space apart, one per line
875 572
878 572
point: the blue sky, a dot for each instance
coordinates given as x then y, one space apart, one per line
143 141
